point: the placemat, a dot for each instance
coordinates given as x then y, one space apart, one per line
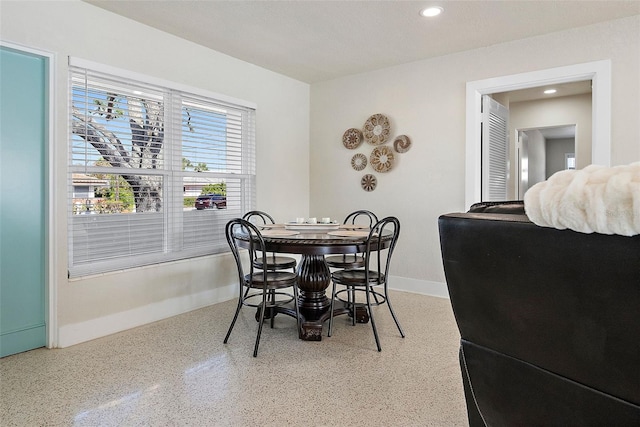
279 233
349 233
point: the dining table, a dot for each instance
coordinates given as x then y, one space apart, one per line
313 242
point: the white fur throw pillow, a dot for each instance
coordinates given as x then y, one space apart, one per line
594 199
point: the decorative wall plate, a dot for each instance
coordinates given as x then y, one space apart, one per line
402 144
376 129
368 182
381 159
352 138
359 161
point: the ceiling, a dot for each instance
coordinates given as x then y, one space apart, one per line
313 41
564 89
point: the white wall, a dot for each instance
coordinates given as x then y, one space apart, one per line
556 151
564 110
537 157
102 304
426 101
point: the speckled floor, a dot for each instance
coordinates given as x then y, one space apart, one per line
177 372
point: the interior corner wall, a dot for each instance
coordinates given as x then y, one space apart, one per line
94 306
425 100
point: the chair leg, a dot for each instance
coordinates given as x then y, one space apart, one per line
262 310
351 296
333 299
371 319
272 312
297 307
393 314
235 317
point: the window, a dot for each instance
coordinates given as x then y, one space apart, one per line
148 149
569 160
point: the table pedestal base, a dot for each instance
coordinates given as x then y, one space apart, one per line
312 330
314 278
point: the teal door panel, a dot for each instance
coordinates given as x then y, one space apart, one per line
23 132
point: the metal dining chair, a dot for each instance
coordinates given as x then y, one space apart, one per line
355 260
274 262
262 289
372 279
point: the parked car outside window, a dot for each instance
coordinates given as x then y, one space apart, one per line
210 201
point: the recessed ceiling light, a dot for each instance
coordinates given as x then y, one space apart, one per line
549 91
430 12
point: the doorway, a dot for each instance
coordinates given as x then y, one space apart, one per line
599 72
543 152
25 85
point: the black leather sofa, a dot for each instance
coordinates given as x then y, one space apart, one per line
549 320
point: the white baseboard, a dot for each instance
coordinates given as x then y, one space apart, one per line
76 333
416 286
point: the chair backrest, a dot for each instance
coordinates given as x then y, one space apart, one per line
365 215
258 217
380 260
237 230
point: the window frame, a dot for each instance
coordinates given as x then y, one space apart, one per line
242 180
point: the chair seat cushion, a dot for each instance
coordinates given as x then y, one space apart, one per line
345 261
357 277
276 263
275 279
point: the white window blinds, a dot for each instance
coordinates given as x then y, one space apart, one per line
139 156
495 150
